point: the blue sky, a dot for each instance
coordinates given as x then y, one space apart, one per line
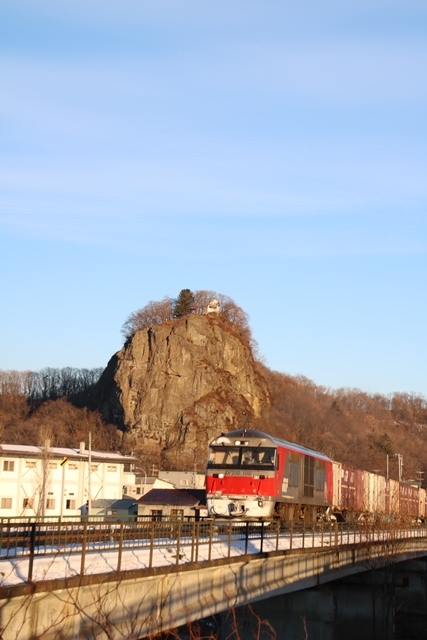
275 152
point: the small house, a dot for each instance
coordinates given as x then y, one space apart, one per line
118 509
173 503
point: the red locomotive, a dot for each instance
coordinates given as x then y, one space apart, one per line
253 475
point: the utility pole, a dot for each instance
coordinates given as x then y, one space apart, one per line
399 465
89 485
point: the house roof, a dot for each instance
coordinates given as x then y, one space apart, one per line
174 497
200 494
31 451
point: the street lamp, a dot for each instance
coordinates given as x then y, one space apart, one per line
400 464
145 479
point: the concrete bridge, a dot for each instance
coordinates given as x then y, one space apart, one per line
141 603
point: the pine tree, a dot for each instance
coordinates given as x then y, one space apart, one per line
184 303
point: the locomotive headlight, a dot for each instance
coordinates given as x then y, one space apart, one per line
220 475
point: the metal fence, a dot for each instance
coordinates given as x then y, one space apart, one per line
33 539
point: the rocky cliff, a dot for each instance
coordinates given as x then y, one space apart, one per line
175 386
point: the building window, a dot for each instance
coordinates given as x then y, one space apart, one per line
177 513
6 503
156 514
30 464
70 504
53 465
127 467
50 503
111 467
94 467
73 465
27 503
8 465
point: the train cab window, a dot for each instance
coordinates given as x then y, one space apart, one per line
223 457
256 458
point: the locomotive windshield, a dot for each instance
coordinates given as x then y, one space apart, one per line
242 457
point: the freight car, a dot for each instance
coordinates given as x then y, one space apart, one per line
253 475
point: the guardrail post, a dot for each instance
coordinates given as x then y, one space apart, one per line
246 536
194 540
8 538
210 539
178 540
229 539
150 561
119 559
32 549
84 543
262 537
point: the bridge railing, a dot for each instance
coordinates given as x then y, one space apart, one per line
35 539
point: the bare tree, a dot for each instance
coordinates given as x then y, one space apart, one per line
153 313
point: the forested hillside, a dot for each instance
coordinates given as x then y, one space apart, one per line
347 424
350 425
50 405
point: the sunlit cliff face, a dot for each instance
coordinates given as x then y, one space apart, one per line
178 384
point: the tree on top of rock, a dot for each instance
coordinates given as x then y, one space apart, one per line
153 313
187 302
184 304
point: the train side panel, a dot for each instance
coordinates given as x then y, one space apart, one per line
422 496
307 483
374 494
352 492
409 501
392 499
336 485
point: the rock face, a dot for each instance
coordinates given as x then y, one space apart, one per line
175 386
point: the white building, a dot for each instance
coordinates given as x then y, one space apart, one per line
50 481
144 484
213 306
184 479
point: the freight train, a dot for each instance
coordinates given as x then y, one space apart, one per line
252 475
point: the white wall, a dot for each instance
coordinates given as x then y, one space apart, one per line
65 488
